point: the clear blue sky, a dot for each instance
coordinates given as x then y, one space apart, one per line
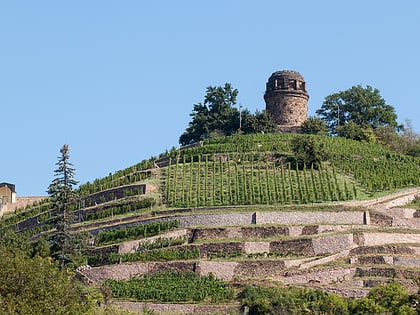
117 80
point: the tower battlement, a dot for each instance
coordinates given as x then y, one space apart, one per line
286 99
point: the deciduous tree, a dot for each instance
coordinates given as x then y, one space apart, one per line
260 122
314 125
362 106
35 285
217 115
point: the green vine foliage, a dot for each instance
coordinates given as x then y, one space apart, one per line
144 230
172 286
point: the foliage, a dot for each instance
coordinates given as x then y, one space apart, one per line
407 142
216 116
171 286
109 211
254 169
415 204
390 298
144 230
277 300
356 132
314 126
261 122
249 178
414 150
129 175
156 255
363 106
35 285
62 200
42 247
309 152
383 299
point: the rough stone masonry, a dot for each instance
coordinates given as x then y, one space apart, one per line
286 100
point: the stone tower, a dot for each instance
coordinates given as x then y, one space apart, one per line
286 99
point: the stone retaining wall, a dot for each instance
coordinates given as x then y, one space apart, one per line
161 308
245 218
332 244
130 246
299 246
326 275
224 270
388 260
375 239
383 249
307 217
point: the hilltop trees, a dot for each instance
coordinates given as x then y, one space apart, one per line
363 106
261 122
62 199
314 126
217 115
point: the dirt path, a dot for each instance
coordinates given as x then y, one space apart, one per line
387 202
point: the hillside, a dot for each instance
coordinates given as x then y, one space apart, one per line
241 209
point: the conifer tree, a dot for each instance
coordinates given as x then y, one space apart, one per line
62 200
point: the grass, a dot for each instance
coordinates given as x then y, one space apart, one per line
415 204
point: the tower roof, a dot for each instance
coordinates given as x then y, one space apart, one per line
288 73
286 81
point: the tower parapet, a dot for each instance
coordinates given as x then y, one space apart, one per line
286 99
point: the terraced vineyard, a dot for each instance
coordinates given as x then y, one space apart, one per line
238 210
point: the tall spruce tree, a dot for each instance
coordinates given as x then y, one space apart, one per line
62 200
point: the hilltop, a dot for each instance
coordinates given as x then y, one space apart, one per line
242 209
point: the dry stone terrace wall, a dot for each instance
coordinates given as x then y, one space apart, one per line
375 239
241 269
248 218
130 246
384 249
180 308
258 269
263 232
300 246
116 193
389 260
337 217
332 244
323 245
250 232
273 217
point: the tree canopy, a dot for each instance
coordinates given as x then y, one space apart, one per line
217 115
364 106
32 284
314 125
261 122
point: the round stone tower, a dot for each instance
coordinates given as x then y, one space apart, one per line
286 99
